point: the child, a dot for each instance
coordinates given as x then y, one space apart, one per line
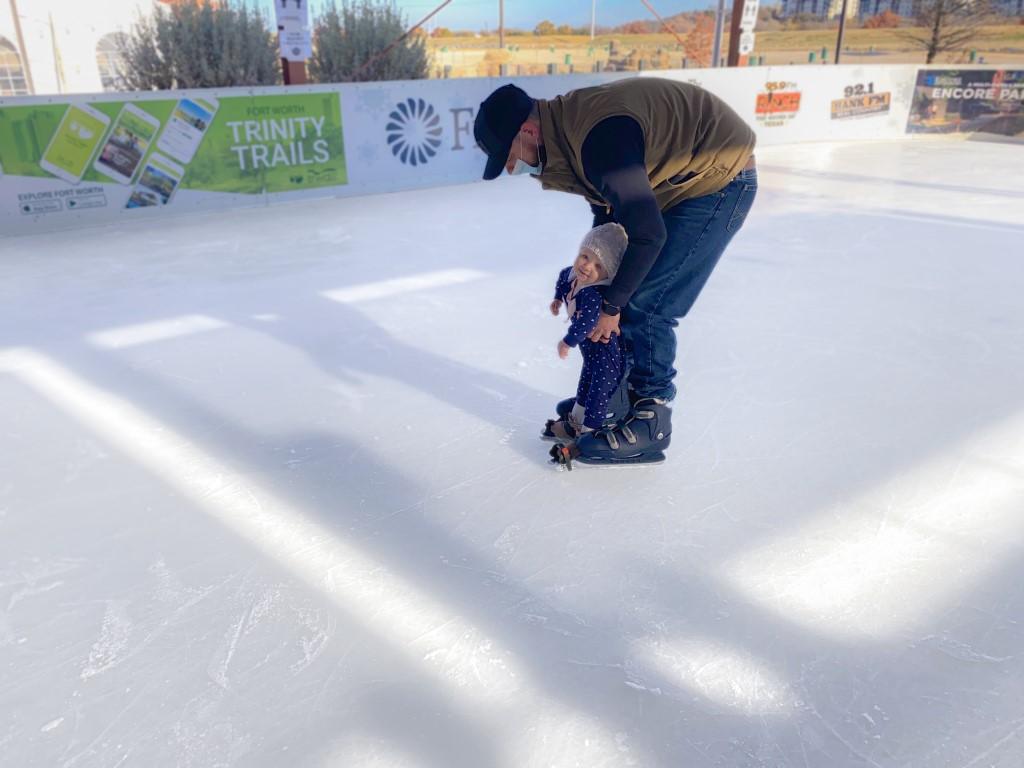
599 257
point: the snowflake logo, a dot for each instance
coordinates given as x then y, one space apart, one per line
414 131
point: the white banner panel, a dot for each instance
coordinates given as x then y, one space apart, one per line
80 160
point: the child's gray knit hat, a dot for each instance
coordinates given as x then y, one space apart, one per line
607 243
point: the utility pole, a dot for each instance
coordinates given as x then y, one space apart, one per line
501 23
593 18
842 25
734 33
716 56
25 65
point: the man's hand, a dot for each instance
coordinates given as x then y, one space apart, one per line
607 325
563 350
556 305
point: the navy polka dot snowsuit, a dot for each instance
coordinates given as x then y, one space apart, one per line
603 364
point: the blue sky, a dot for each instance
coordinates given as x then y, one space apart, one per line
524 14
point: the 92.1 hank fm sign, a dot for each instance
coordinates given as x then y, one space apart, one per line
861 100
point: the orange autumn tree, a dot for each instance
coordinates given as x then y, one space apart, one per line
633 28
884 20
700 39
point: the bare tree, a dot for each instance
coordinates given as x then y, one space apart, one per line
947 25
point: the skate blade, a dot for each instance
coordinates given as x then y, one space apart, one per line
645 460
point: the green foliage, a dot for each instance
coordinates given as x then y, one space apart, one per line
199 45
349 43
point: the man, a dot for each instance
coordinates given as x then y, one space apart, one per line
670 162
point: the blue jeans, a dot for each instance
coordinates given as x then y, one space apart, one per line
698 232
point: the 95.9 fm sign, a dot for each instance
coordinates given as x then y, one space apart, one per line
777 104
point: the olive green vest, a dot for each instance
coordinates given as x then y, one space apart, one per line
694 142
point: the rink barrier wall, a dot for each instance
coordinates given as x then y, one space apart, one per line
72 161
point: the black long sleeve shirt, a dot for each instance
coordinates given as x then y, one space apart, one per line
613 162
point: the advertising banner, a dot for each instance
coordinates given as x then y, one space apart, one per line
77 160
420 133
791 104
861 100
778 103
968 101
109 157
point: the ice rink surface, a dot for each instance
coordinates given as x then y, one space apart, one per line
272 493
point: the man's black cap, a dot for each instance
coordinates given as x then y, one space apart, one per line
497 122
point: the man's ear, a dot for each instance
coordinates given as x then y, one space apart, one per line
531 129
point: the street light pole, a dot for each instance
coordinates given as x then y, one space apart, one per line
26 67
716 56
501 23
593 17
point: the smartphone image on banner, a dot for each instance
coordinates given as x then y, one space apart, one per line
157 184
186 128
73 145
121 156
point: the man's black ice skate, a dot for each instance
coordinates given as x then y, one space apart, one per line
640 438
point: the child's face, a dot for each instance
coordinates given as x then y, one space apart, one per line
589 268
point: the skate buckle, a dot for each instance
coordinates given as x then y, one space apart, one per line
561 454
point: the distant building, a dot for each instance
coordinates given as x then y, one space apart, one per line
905 8
825 9
908 8
66 46
830 9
